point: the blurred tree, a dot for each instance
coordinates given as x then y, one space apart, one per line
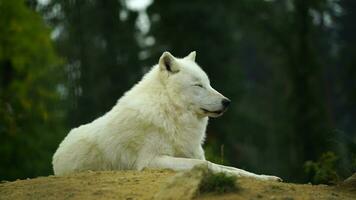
30 105
98 40
296 44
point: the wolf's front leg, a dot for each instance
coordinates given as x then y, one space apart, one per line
175 163
241 172
178 164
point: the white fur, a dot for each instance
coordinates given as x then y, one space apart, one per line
159 123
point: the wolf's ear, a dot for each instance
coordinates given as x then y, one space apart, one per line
168 62
191 56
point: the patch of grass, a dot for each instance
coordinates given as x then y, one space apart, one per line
218 183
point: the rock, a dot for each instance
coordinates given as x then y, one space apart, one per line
184 185
350 182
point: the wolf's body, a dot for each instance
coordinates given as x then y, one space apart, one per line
159 123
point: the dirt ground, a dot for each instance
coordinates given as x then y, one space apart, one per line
130 185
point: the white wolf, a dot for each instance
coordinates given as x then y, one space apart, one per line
159 123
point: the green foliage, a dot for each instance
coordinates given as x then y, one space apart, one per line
30 105
323 171
218 183
215 153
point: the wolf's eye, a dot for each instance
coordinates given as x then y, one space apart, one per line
199 85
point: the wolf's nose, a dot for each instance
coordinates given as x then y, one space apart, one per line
225 102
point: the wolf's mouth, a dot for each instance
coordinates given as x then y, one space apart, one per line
218 112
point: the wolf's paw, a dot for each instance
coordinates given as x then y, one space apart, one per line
269 178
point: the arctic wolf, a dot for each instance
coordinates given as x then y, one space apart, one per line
159 123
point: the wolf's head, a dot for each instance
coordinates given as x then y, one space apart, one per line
189 86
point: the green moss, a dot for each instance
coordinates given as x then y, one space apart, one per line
218 183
